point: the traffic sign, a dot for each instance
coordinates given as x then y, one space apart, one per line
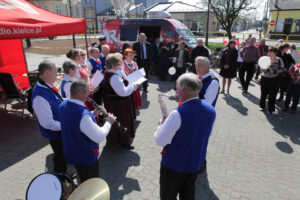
272 23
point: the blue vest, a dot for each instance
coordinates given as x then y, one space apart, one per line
95 66
205 83
62 91
187 151
102 59
54 101
78 148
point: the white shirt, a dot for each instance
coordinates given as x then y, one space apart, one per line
166 131
117 84
77 75
212 90
43 111
89 64
67 86
240 59
145 50
90 128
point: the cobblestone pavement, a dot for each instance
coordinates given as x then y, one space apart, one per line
251 154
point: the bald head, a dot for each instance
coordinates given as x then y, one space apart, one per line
200 42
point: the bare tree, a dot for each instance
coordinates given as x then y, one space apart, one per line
226 11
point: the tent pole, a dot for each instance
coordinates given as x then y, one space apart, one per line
86 46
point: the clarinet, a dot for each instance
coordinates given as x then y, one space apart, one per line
104 114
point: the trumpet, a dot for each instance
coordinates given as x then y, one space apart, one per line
163 107
104 114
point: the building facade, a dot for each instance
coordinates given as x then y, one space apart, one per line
60 7
286 18
193 17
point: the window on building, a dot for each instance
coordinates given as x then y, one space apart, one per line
128 33
297 25
58 9
77 11
88 1
89 13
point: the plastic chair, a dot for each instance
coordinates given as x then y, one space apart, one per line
12 91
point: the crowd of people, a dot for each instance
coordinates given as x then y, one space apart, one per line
71 118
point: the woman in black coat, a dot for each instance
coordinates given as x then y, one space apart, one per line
228 65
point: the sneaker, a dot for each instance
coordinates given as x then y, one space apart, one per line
273 113
262 109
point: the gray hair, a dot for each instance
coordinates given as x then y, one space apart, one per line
142 34
202 59
78 85
93 49
69 64
103 47
45 65
190 82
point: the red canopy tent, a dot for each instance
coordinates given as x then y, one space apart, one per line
20 19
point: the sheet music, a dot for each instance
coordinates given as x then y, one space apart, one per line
136 78
97 78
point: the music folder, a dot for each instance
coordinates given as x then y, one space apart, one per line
136 77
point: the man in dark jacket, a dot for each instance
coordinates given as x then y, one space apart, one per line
199 50
144 56
182 59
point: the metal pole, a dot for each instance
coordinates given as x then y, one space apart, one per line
207 24
70 6
276 20
96 21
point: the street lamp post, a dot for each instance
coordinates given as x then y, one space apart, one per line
207 24
70 6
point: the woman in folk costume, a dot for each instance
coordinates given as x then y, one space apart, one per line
83 69
117 100
129 67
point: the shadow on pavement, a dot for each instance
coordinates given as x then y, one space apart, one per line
114 163
284 147
145 101
236 104
19 139
288 126
251 98
203 191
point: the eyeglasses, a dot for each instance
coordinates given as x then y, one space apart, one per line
82 54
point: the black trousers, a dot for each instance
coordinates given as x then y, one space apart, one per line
60 164
250 69
179 72
146 64
99 96
284 81
86 172
268 88
257 72
173 183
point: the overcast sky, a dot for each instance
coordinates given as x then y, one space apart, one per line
259 11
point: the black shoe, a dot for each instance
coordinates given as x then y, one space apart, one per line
127 146
145 90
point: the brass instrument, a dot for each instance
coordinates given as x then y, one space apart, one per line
104 114
163 107
91 189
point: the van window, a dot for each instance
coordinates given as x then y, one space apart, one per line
188 36
128 33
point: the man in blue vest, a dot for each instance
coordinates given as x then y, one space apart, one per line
80 132
184 135
45 102
94 64
105 49
210 84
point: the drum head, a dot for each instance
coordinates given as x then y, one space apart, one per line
44 186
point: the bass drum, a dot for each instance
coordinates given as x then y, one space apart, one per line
50 186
